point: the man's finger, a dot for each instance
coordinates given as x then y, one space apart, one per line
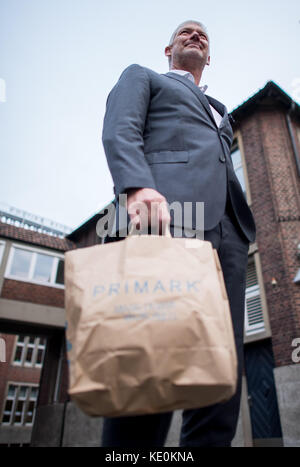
138 213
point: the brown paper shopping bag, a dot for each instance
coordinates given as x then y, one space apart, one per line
149 327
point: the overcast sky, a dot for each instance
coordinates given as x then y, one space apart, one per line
60 58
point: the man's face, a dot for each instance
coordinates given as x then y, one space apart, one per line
190 45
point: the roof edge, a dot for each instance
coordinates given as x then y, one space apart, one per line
271 89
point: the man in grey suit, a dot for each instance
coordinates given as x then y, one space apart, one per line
166 141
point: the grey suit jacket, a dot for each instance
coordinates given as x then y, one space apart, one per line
159 132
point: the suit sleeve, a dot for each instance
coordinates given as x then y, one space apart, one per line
123 128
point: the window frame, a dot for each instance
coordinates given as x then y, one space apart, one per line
239 167
237 143
251 329
2 249
251 292
260 333
30 278
26 344
15 399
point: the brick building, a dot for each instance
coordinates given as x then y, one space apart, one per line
31 309
265 154
267 131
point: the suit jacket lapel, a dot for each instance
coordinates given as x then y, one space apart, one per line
219 108
198 93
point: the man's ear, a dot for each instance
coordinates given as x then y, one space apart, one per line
168 51
208 60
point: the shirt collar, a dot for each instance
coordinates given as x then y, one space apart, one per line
189 76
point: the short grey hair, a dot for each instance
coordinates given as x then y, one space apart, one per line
181 26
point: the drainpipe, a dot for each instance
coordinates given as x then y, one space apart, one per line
57 388
291 133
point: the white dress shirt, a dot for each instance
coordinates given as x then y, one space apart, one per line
188 75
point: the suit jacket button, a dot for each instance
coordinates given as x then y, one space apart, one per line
222 158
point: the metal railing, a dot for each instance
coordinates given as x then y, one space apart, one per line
20 218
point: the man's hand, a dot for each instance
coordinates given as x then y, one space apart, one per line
148 208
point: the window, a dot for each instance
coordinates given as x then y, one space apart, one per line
43 268
2 350
237 162
2 245
35 266
59 278
20 404
29 351
21 263
254 319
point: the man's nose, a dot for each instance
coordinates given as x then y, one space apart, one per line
195 35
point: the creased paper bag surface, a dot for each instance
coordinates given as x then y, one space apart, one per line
148 327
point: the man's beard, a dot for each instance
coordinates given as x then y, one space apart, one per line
192 59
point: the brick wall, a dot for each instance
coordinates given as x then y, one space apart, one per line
14 373
33 293
38 294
